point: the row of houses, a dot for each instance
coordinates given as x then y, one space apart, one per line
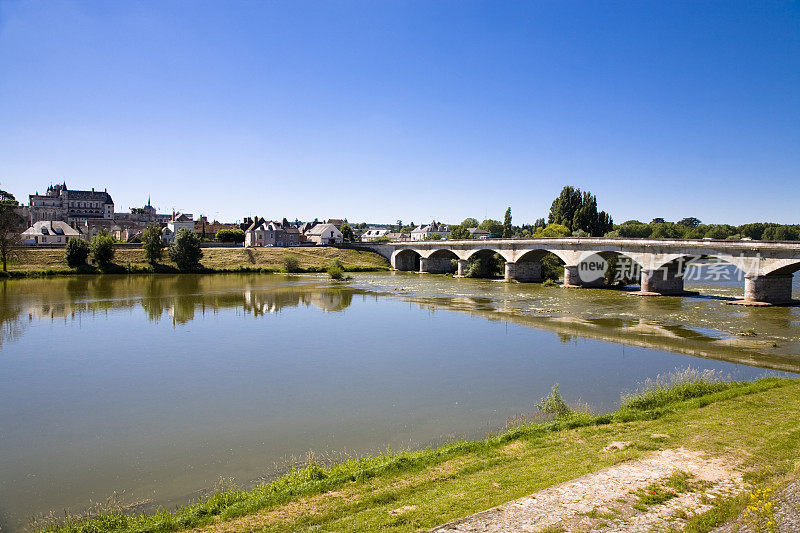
59 232
264 232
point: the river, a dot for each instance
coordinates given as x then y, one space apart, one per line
158 386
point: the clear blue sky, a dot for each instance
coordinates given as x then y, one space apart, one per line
408 110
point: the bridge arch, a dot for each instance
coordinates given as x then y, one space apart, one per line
507 255
441 261
406 259
485 262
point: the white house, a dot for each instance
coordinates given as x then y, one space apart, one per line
424 232
373 234
50 232
178 222
324 234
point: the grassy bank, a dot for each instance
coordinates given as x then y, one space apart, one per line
50 261
438 485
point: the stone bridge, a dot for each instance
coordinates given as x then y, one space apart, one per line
659 264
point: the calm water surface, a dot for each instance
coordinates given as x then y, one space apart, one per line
159 385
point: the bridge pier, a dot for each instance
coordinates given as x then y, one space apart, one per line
462 264
662 281
524 271
511 269
435 265
761 290
571 276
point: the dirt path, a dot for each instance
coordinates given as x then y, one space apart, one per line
608 500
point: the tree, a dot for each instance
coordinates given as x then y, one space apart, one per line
492 226
102 249
152 244
76 252
347 233
553 230
459 233
690 222
230 235
508 231
12 224
657 220
470 223
540 223
185 250
578 210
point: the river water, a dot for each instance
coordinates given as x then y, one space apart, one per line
158 386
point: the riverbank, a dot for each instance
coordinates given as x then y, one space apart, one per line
753 425
50 261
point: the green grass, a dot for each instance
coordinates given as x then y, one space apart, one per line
463 477
45 262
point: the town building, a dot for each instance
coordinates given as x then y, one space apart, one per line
373 234
208 230
70 206
324 234
144 215
50 232
178 222
478 233
425 232
266 233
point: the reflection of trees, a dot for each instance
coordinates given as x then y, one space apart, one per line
181 297
11 327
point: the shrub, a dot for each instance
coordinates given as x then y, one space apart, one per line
230 235
152 244
102 249
336 270
291 263
76 252
185 250
554 404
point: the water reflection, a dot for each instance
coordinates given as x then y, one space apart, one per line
180 298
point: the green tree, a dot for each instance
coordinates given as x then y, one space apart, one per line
459 233
540 223
347 233
690 222
578 210
185 250
76 252
508 230
553 230
12 224
152 244
102 249
754 230
230 235
470 223
633 229
492 226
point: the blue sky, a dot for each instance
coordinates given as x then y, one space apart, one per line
381 111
